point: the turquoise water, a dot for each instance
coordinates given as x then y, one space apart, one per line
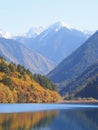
48 117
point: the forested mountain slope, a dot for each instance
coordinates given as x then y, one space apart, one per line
18 85
86 85
75 64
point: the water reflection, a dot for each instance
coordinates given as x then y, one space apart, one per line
83 119
72 119
26 121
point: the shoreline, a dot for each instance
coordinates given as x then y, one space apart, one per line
78 101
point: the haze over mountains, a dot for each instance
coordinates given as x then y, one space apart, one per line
4 34
75 64
44 47
34 32
69 56
56 42
15 52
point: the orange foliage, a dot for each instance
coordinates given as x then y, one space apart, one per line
25 91
17 86
14 121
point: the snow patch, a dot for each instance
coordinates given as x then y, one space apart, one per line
35 31
58 25
5 34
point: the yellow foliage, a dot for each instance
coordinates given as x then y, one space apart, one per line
26 91
27 120
18 88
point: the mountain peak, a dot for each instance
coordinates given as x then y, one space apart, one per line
60 24
63 24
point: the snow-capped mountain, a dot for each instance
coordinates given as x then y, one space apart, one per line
54 42
5 34
55 28
57 41
58 25
35 31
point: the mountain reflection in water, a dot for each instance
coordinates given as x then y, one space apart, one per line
83 119
26 121
68 119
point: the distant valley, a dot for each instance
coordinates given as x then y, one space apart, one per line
77 75
41 49
67 56
85 86
55 42
14 51
72 66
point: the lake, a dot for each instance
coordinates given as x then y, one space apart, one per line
48 117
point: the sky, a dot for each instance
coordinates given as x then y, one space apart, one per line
18 16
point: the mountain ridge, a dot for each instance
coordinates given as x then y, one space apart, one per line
58 40
72 66
16 52
82 86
